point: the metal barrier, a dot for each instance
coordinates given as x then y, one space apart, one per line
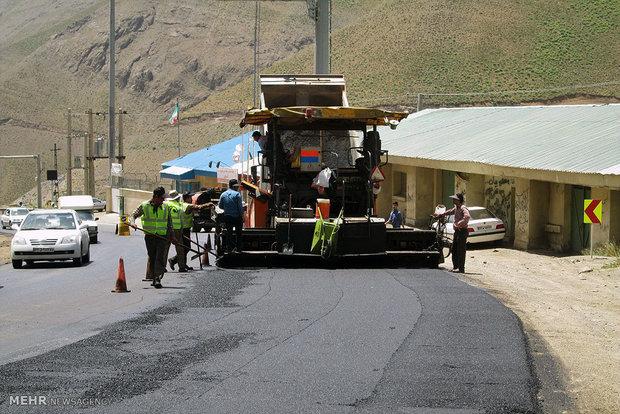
139 183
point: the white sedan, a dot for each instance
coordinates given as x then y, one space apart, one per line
51 235
483 226
13 216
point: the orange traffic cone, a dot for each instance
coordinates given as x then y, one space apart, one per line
121 282
208 246
205 256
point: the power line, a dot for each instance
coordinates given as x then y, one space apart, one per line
505 92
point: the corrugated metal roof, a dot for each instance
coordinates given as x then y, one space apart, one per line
198 161
572 138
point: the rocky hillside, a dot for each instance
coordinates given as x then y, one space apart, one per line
53 56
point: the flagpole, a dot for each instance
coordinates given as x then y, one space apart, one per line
178 128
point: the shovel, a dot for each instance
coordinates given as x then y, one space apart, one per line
288 247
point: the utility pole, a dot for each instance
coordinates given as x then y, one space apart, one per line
322 31
112 86
69 155
39 195
87 153
55 191
178 128
256 36
121 154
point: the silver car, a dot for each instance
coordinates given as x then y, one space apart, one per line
13 217
51 235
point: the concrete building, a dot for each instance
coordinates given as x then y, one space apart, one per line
531 165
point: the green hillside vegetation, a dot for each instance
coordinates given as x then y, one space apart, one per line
401 47
388 50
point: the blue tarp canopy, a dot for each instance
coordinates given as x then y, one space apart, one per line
196 163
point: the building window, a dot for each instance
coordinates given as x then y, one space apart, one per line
399 184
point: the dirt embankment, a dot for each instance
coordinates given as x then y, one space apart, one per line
570 309
5 249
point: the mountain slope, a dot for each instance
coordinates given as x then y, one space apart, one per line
54 56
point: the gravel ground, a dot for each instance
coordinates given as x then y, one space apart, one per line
569 306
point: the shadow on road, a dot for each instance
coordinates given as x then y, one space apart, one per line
53 265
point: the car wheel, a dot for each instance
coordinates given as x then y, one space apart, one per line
86 257
94 240
29 262
17 264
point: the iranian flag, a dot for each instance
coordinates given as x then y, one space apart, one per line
174 116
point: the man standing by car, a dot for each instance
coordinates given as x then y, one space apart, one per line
156 223
232 204
459 243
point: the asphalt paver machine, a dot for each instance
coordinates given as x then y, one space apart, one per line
312 187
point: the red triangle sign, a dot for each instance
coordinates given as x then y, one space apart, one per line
377 174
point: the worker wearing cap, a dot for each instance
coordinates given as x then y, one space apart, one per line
179 211
232 205
459 242
155 216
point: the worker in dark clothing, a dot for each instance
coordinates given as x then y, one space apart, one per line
396 217
459 242
181 217
155 216
232 204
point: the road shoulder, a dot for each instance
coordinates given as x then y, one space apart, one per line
570 309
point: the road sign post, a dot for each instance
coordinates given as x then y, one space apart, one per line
592 214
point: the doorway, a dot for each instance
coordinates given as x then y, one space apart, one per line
579 232
447 187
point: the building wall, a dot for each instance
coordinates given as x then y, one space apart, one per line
498 197
522 213
133 198
614 216
609 229
558 223
207 181
423 196
537 214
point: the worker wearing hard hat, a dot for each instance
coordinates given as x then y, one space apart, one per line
180 211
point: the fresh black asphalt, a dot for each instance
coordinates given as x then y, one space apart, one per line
295 340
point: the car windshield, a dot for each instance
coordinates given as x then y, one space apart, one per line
43 221
20 212
85 215
481 214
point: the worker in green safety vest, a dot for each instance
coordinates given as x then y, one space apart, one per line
181 218
155 216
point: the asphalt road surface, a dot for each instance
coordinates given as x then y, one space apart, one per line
260 341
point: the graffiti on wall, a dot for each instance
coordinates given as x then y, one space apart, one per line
522 204
497 195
